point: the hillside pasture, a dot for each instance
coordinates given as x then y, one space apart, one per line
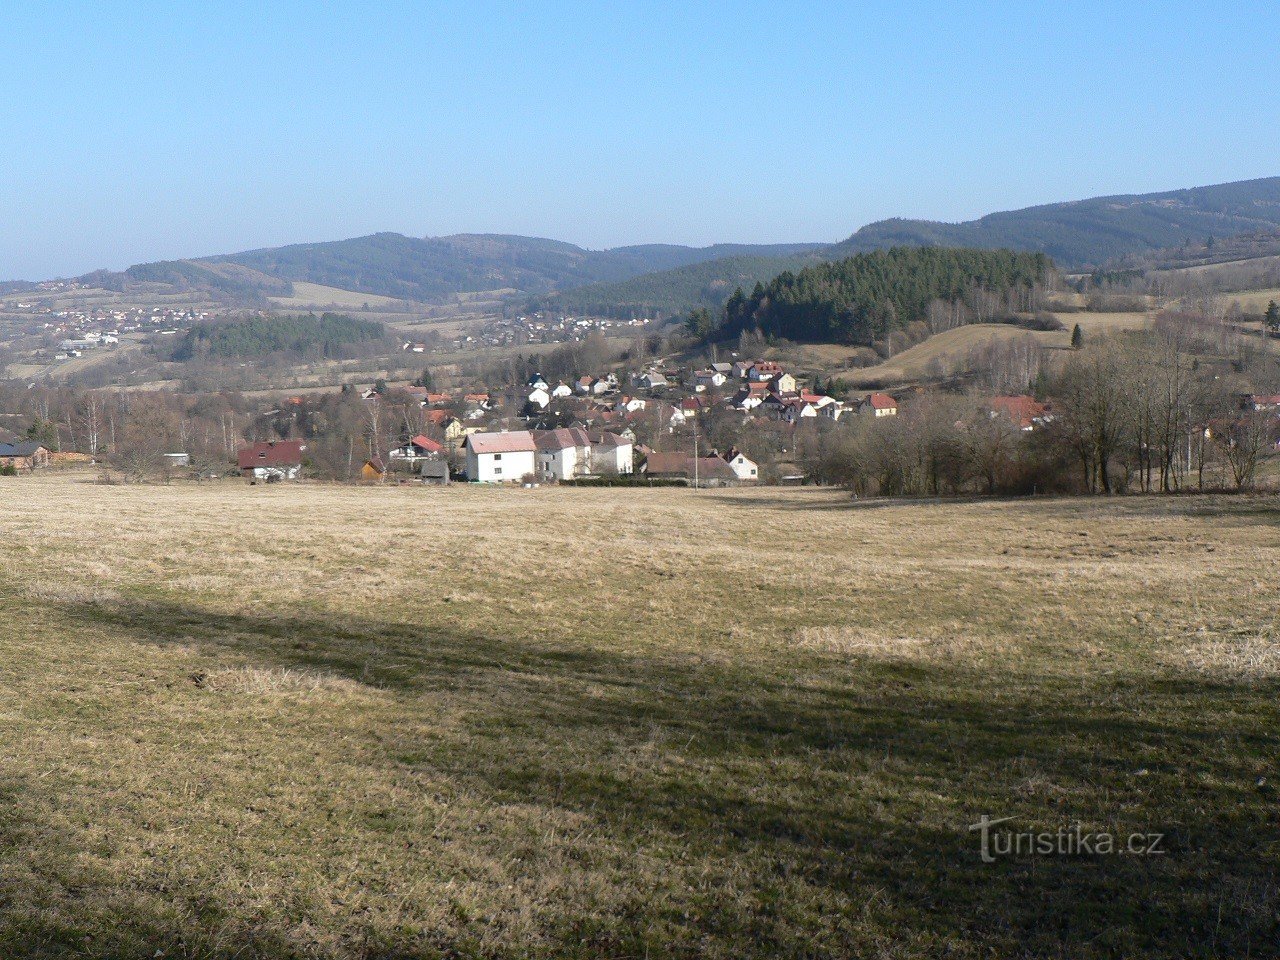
315 296
308 721
947 353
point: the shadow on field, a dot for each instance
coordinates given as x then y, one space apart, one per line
835 795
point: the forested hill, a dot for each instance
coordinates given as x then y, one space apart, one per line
1087 233
329 336
426 268
669 292
863 298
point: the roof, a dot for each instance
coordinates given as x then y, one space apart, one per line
606 439
426 443
1022 410
271 453
20 449
881 401
512 441
676 463
377 464
561 439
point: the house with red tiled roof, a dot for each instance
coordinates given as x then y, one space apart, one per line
1024 411
416 448
879 405
272 459
762 371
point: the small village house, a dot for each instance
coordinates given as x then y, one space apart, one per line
878 405
500 457
272 459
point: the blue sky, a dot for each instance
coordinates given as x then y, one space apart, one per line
143 131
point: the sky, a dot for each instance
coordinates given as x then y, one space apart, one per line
139 131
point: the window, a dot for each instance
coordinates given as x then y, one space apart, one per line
497 471
497 457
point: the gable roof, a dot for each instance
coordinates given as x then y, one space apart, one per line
513 441
881 401
271 453
562 438
423 442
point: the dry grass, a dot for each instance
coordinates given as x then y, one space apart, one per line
947 352
317 296
347 722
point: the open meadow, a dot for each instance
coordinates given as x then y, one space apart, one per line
310 721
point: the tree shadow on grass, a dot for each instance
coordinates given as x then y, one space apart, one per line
843 789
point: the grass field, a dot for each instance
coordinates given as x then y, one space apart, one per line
317 296
392 722
946 352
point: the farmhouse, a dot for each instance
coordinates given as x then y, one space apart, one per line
611 453
562 454
500 457
879 404
272 459
23 457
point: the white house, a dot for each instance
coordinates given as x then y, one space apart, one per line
710 378
536 382
650 380
611 453
742 467
540 397
562 390
562 454
629 404
500 457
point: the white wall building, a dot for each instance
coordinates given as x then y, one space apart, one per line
500 457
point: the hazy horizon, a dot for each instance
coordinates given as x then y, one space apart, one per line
204 134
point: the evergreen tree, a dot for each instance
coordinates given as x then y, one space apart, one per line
700 324
1077 337
1272 318
424 379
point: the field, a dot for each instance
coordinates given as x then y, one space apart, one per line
317 296
945 353
391 722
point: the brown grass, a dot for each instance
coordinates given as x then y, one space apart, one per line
313 721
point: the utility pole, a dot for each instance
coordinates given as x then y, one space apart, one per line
695 451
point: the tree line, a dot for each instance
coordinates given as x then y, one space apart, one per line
863 299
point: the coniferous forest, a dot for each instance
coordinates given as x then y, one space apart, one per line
863 298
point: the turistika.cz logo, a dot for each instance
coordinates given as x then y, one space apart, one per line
1073 841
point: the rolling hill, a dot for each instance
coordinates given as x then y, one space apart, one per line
1087 233
425 268
1076 235
670 278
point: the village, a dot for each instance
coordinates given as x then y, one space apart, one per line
651 427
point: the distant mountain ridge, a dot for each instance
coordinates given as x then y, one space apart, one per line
671 278
426 268
1088 233
1077 235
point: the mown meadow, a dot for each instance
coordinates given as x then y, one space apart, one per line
321 721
